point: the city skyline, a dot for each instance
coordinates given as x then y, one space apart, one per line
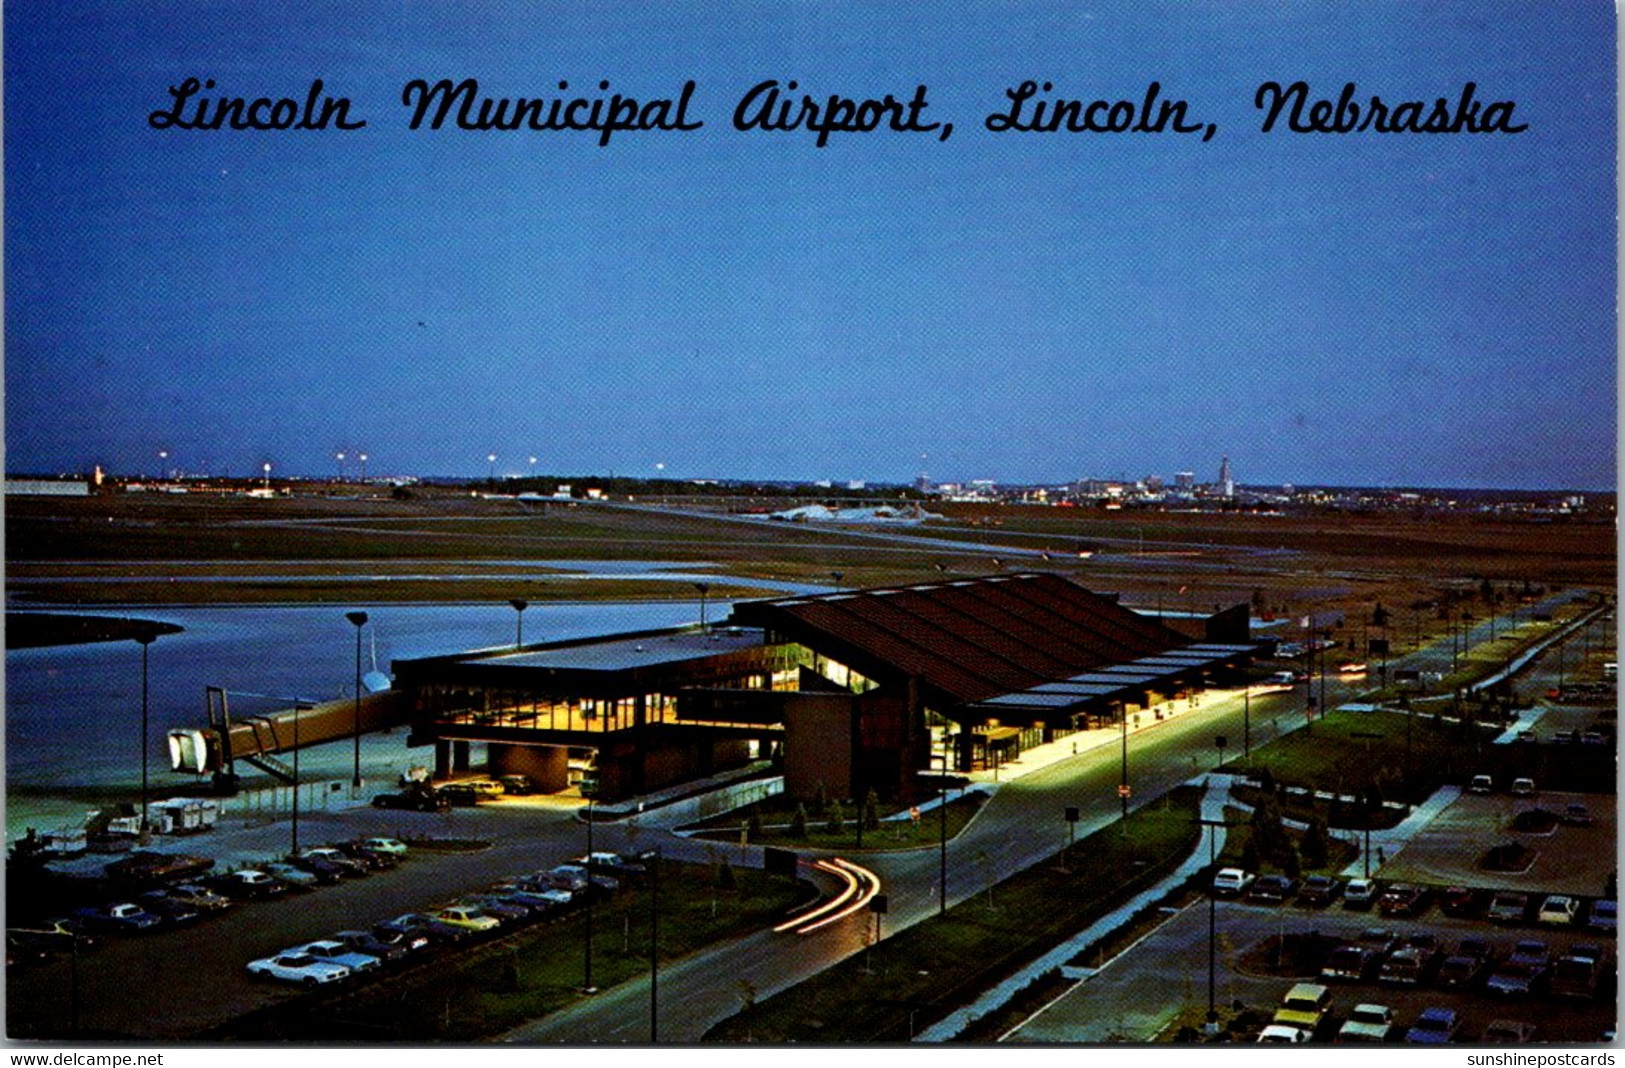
1349 310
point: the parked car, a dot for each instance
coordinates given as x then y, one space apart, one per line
1508 907
459 794
1349 962
58 935
1558 910
1523 787
1435 1027
369 859
539 901
299 968
517 784
1402 899
249 884
318 868
1507 1033
1522 973
337 952
1461 901
1463 968
199 897
1282 1035
171 913
347 866
1481 784
125 916
385 845
1319 890
1367 1023
1304 1006
1409 965
409 940
1575 974
1230 882
1359 893
1578 815
422 924
373 946
296 877
420 798
503 912
1604 914
467 917
1270 890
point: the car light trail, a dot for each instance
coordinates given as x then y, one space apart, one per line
861 885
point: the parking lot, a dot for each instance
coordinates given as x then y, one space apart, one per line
1140 994
1567 859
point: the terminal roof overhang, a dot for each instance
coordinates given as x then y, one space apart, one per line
976 640
1122 683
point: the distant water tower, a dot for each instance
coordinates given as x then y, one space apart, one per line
1227 485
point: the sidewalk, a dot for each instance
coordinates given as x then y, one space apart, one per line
1387 844
1213 805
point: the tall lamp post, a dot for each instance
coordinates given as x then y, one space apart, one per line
705 589
145 639
1122 786
942 814
360 620
589 787
519 606
1212 925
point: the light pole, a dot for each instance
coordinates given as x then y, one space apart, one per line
654 947
163 463
519 606
942 814
360 620
1212 925
1122 786
363 459
145 640
491 469
266 467
589 788
298 706
339 456
705 589
1247 721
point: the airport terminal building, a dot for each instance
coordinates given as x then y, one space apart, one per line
854 690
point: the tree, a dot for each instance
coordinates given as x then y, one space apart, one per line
1313 846
1266 780
836 819
725 876
1250 860
821 799
1291 862
1268 832
1379 616
798 824
871 812
753 827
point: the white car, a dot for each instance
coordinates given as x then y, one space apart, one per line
337 953
385 845
1230 882
1367 1023
1282 1035
1557 910
299 968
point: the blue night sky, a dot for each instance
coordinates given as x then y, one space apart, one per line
1359 309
